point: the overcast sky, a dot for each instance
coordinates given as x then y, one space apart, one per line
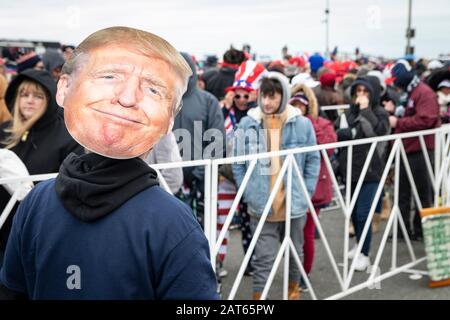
202 27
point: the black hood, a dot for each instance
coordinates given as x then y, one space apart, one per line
91 186
44 79
192 84
366 83
376 90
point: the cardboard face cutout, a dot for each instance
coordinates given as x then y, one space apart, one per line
119 103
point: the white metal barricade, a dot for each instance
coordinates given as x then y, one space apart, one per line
438 176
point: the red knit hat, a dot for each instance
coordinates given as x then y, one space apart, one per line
328 79
298 61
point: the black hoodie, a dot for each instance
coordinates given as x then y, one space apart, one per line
217 80
369 122
91 186
127 237
48 142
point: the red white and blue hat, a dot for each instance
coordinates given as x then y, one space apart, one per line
248 75
301 98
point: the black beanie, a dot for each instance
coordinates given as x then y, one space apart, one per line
403 74
28 63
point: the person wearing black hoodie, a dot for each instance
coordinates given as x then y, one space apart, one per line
104 229
365 119
37 133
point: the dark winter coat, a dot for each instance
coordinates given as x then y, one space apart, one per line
369 122
217 80
201 111
421 113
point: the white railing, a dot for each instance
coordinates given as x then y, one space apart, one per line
10 205
338 107
439 181
438 175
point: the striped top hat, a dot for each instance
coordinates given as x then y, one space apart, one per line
248 75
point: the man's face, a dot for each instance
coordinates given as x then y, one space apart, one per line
241 98
56 73
271 103
120 102
39 66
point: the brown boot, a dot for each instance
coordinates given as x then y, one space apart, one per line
376 222
294 291
386 207
257 295
351 230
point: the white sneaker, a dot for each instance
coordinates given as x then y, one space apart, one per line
222 272
362 262
352 252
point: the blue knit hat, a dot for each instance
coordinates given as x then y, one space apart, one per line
402 74
27 61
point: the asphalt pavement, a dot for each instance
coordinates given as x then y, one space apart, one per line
323 279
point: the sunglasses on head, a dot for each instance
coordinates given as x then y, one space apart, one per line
245 96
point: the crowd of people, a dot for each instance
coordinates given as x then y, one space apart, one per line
235 97
382 96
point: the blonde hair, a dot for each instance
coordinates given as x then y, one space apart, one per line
19 127
148 43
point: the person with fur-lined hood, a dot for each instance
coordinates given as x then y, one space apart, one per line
303 98
275 125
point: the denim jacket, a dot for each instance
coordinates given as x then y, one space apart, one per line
297 132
